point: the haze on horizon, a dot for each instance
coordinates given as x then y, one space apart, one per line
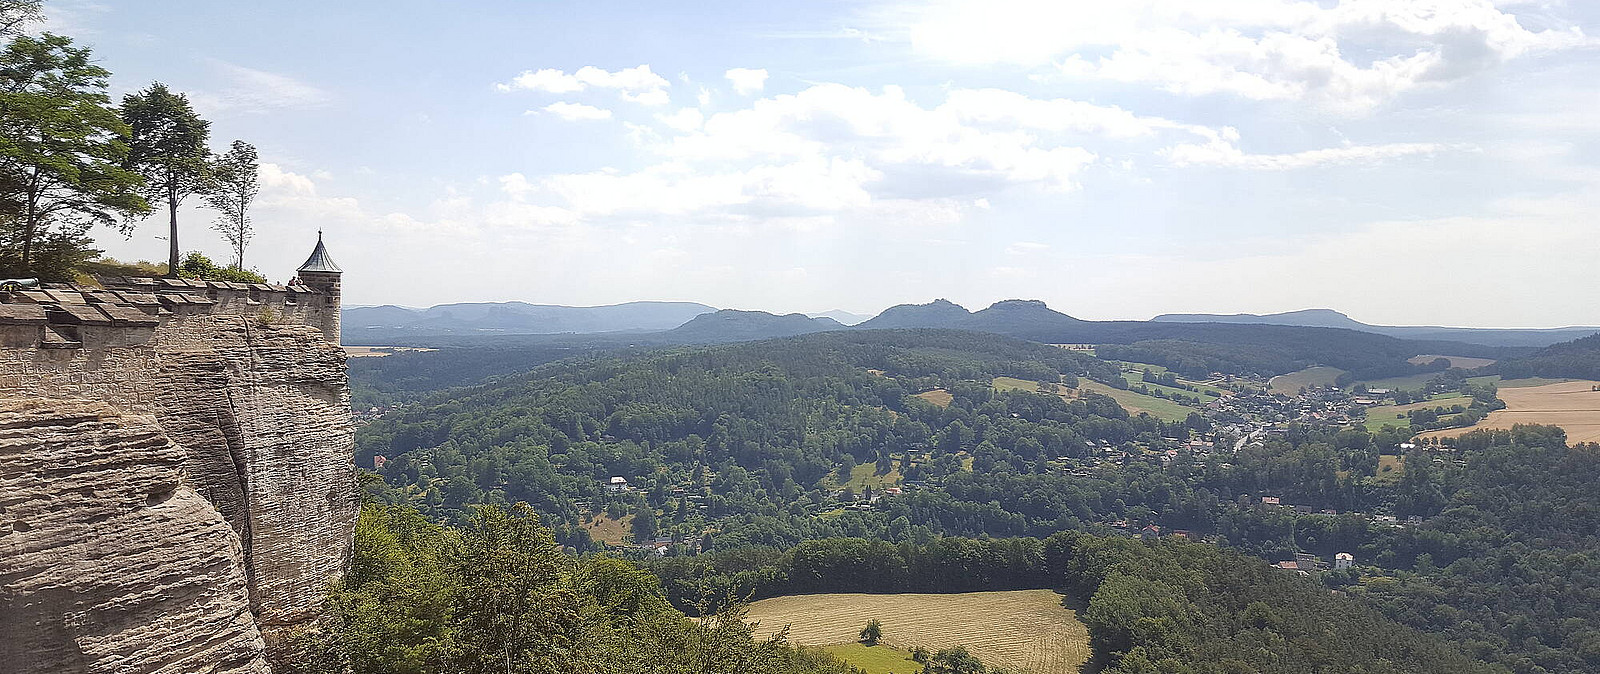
1406 162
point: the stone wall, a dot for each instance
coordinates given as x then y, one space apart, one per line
246 389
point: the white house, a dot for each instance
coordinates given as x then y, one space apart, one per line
1343 560
618 483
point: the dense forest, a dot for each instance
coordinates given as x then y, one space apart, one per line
496 595
1578 359
742 448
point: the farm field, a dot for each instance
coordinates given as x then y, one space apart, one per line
1463 362
1393 415
1136 376
1290 384
937 396
1026 630
1572 405
878 659
1160 408
1014 384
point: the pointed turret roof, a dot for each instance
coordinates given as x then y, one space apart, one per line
319 260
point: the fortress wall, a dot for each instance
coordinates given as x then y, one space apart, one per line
250 392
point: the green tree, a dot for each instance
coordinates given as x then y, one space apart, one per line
61 149
644 526
197 266
234 186
168 147
14 14
953 661
872 632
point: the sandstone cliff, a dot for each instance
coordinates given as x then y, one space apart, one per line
109 562
177 486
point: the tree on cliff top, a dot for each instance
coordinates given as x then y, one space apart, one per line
233 187
61 150
168 148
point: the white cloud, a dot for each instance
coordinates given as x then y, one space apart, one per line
1348 56
252 91
576 111
747 81
1222 153
1025 247
637 84
885 129
685 120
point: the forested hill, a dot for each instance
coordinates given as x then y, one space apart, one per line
1193 350
1577 359
763 446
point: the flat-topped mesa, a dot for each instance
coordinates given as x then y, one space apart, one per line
248 385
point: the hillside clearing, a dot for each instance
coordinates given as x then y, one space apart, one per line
1390 468
866 475
937 396
1572 405
603 529
1290 384
1027 630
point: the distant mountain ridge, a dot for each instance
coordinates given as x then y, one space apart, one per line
841 316
366 324
1328 318
732 325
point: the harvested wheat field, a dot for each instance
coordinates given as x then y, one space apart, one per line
1028 630
1572 405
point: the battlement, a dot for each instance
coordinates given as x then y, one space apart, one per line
128 311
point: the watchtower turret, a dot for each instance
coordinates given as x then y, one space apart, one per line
320 274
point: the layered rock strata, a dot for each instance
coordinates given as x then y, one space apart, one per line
108 561
247 399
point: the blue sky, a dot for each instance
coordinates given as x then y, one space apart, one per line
1406 161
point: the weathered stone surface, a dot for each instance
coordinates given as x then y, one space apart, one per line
264 414
258 405
108 561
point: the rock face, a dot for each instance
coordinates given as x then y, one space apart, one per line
176 487
109 562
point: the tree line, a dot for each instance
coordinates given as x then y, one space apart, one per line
71 160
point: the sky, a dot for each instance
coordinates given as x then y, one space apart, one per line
1404 161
